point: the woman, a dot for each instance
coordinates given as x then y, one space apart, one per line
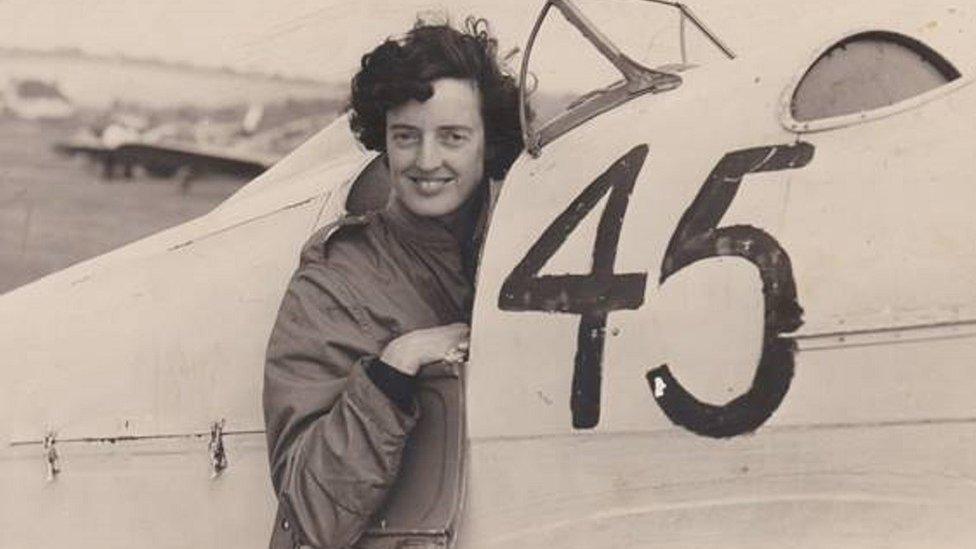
380 298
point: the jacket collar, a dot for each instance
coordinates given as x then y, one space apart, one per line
417 229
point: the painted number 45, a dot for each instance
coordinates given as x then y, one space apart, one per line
594 295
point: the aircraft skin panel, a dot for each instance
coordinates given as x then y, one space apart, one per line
617 490
891 205
858 486
882 382
107 339
144 493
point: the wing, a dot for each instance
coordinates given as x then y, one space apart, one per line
93 149
199 159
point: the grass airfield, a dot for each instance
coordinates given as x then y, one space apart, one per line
56 211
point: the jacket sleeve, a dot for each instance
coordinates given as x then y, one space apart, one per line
334 438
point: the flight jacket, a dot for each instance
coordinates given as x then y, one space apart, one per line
337 419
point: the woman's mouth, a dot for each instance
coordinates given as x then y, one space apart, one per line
429 186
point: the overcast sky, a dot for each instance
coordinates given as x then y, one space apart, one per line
322 39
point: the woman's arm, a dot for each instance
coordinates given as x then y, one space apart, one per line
334 438
338 419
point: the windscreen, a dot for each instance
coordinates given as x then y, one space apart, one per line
868 71
565 67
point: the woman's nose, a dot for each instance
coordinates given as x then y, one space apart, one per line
429 157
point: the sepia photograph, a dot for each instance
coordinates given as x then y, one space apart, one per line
484 274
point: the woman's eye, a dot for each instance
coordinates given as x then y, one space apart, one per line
454 138
404 138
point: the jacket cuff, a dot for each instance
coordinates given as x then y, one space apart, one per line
367 397
396 385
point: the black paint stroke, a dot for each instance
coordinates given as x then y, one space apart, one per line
592 296
697 237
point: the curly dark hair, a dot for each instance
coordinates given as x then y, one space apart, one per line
400 70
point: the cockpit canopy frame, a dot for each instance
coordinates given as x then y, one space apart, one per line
636 80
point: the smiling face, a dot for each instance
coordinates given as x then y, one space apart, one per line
436 149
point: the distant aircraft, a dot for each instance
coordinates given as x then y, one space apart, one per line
33 99
727 299
162 154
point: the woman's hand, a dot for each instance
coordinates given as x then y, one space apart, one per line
412 350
